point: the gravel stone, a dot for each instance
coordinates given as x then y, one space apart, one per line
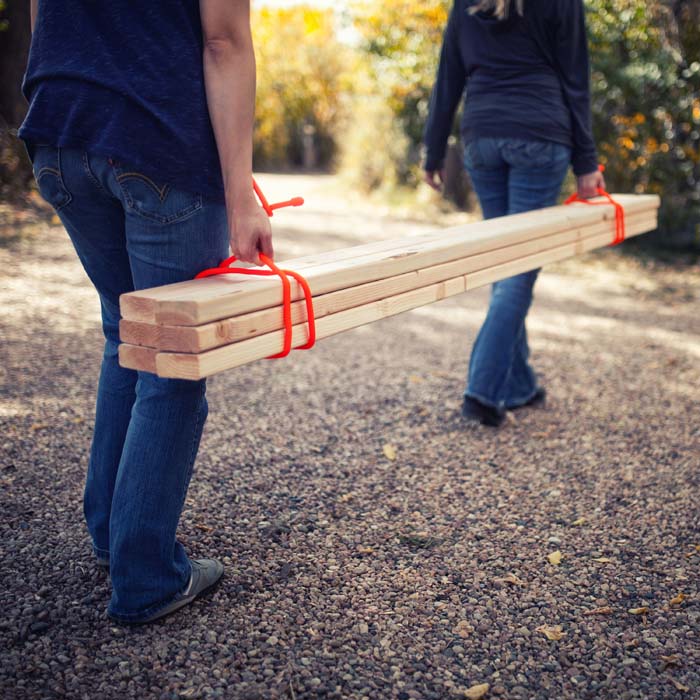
347 574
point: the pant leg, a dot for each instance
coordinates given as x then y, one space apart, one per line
171 235
537 172
94 220
499 372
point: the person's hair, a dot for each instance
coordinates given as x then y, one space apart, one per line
499 8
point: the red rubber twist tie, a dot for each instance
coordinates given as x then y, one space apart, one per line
619 210
224 268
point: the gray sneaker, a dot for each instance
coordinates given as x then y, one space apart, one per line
205 574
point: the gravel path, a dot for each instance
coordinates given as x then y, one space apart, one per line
350 574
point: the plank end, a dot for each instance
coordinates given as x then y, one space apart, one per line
138 358
135 306
178 313
172 365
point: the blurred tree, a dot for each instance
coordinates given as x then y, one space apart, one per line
15 35
645 87
302 73
400 40
646 105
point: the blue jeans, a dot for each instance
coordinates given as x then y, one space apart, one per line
510 176
131 232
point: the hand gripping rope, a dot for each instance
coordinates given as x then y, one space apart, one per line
224 268
619 210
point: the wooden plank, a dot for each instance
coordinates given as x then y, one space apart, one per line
140 305
201 301
137 357
189 366
202 306
205 337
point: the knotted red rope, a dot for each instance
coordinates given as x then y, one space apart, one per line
224 268
619 211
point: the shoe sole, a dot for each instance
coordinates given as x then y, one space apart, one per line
172 607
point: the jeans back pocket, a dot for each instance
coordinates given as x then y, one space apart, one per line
155 201
46 165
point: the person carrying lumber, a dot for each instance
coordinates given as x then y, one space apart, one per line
140 130
526 118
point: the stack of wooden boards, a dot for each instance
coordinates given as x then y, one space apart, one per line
194 329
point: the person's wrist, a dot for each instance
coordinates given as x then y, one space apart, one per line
244 201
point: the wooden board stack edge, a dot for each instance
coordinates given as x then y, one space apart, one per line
202 301
195 339
201 365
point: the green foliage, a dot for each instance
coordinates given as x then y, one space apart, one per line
645 95
400 40
301 80
646 107
4 22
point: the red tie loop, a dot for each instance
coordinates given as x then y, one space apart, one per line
619 210
224 268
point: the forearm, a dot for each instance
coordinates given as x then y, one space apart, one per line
229 75
447 92
33 9
572 57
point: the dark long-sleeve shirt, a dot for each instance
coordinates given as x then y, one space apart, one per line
125 79
525 77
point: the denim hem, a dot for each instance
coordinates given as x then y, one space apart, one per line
148 612
101 553
487 402
516 403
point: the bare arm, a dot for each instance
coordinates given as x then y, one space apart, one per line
229 76
33 8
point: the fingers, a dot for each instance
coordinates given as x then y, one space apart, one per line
266 246
246 254
434 179
588 185
250 237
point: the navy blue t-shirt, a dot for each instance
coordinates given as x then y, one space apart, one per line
124 79
525 77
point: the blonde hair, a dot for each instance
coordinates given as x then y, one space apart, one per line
499 8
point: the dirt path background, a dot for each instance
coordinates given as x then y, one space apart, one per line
350 575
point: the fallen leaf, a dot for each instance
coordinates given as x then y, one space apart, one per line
672 660
477 691
463 629
678 599
364 550
38 426
346 497
415 379
606 610
603 560
554 634
638 611
554 558
580 521
389 452
512 579
679 686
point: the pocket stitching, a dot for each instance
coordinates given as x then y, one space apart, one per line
47 169
161 192
56 172
151 216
